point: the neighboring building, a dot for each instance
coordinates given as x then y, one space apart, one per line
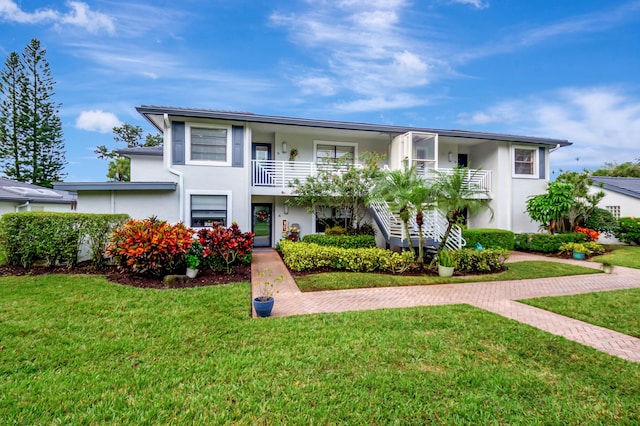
234 166
622 195
24 197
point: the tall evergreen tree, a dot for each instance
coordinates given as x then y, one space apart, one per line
12 148
42 127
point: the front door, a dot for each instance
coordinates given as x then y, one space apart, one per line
261 222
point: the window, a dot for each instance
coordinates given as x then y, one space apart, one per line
328 217
325 151
209 143
615 211
524 162
207 209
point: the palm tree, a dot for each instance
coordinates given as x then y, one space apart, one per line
422 197
395 187
455 194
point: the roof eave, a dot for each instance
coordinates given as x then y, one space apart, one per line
149 110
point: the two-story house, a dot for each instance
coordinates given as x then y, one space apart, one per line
235 166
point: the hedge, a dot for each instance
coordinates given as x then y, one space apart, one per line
479 261
489 238
304 256
55 238
547 243
342 241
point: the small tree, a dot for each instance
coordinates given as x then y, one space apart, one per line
340 186
566 204
120 167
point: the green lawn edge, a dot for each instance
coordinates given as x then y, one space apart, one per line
517 271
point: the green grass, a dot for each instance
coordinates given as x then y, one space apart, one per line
81 350
516 271
628 256
616 310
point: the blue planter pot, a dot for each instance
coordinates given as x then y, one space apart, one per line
263 309
578 255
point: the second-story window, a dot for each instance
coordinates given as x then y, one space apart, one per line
209 143
524 162
326 152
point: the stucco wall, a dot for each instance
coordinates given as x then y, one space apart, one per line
137 204
629 206
146 168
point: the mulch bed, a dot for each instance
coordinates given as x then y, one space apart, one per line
204 278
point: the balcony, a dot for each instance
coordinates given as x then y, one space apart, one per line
270 177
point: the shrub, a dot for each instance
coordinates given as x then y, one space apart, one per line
588 248
364 229
546 243
479 261
489 238
629 230
335 230
223 248
151 246
55 238
344 241
602 221
592 235
309 256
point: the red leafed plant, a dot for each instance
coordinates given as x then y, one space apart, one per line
224 247
150 246
593 235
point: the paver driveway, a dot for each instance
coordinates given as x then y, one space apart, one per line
498 297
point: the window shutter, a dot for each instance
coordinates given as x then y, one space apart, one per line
237 146
541 163
177 144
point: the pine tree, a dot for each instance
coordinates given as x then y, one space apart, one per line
42 127
12 148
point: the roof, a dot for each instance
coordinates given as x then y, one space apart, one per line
116 186
11 190
155 115
154 151
621 185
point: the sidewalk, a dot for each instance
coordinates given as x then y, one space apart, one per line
498 297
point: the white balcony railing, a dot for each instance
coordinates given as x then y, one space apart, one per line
476 178
280 174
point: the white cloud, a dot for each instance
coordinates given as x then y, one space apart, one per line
478 4
602 122
97 121
367 51
80 15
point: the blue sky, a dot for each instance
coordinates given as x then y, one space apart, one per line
562 69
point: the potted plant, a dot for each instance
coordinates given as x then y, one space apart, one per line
445 263
193 258
265 286
577 250
293 154
607 267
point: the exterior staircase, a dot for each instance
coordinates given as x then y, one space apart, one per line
433 229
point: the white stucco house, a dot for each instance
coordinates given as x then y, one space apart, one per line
24 197
234 166
621 195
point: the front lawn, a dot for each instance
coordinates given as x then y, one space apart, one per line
517 271
81 350
615 310
628 256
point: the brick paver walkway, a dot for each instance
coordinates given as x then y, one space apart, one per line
498 297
